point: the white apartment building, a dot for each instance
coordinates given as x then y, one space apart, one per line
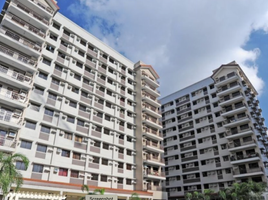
214 134
80 111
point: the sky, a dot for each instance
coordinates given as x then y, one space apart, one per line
183 40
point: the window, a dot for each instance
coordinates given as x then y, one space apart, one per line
41 148
81 53
70 119
104 178
77 77
76 156
46 61
74 174
42 75
94 177
80 122
53 37
65 153
55 81
128 166
120 180
129 181
104 161
129 152
73 104
228 171
110 93
109 105
225 158
68 136
75 90
96 160
83 108
52 96
105 146
20 165
50 48
45 129
63 172
30 125
56 26
49 112
80 65
58 68
34 107
78 138
120 165
38 90
38 168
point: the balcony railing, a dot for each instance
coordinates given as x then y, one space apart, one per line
226 88
155 173
229 121
13 95
30 12
153 144
234 132
20 39
231 96
151 87
149 77
17 56
15 75
233 107
239 144
245 171
9 117
45 7
226 77
154 158
242 157
7 142
26 25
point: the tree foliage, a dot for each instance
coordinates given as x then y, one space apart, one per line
100 191
8 173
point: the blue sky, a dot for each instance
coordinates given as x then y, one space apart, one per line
183 40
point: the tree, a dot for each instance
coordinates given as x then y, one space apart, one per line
135 196
95 192
8 173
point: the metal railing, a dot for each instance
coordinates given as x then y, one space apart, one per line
242 157
15 75
233 107
45 7
239 144
20 39
232 96
236 131
17 56
228 87
26 25
153 144
226 77
30 12
7 142
13 95
9 117
245 171
229 121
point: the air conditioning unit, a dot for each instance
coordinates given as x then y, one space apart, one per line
53 130
133 153
85 139
12 134
56 170
59 150
83 156
67 57
133 182
46 169
64 116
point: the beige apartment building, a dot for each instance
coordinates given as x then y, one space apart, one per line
80 111
214 134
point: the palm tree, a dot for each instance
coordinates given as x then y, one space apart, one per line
95 192
135 196
8 173
207 194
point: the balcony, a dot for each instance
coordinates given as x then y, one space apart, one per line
230 89
155 175
226 79
234 109
150 89
9 119
238 133
155 160
150 80
153 146
190 169
153 122
236 121
186 148
183 110
238 146
14 78
43 6
183 102
188 158
238 159
38 18
186 128
151 110
155 188
187 137
31 30
12 98
238 173
150 99
192 180
151 133
23 62
27 46
232 98
7 144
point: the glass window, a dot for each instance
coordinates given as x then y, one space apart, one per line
59 68
65 153
94 177
38 168
63 172
38 90
42 75
68 136
55 81
52 96
76 156
78 138
41 148
34 107
30 125
72 104
77 77
46 61
26 144
70 119
20 165
49 112
80 122
104 178
45 129
74 174
129 181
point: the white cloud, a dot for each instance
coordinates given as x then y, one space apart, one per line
183 40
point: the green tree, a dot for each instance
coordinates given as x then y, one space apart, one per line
8 173
135 196
95 192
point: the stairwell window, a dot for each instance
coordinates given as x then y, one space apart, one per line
26 144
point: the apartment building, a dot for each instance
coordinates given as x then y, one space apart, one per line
80 111
214 134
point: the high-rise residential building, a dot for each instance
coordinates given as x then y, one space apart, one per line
214 134
80 111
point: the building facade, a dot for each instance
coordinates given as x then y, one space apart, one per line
80 111
214 134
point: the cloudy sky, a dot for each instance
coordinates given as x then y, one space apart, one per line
183 40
